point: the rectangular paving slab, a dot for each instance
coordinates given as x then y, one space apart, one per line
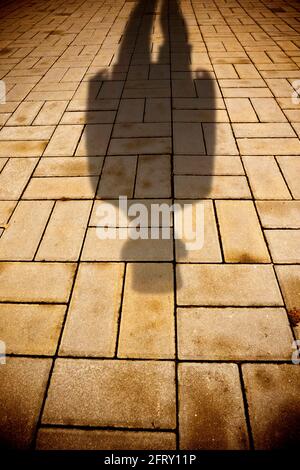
134 394
222 285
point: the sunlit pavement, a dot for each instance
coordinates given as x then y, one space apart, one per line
144 344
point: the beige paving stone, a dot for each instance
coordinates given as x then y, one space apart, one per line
232 285
147 320
50 95
147 93
25 229
188 139
110 249
296 127
269 146
200 115
142 129
263 130
210 398
207 165
207 88
288 106
285 73
61 187
267 110
59 145
131 110
265 178
26 133
280 87
158 71
22 148
31 329
138 71
110 90
290 167
6 209
118 177
240 110
242 83
25 113
246 71
284 245
217 187
65 231
3 118
3 162
19 91
94 140
88 117
95 105
133 394
137 145
219 139
157 110
22 387
198 103
15 176
92 321
9 106
210 251
279 214
276 426
241 235
246 93
223 334
293 115
50 113
74 74
225 71
153 176
86 91
183 88
289 280
75 439
35 282
67 166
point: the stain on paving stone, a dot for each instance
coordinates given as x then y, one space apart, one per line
58 32
277 10
294 316
6 50
265 379
246 258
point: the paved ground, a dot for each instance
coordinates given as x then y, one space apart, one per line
140 344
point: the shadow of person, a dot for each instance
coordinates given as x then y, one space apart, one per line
155 150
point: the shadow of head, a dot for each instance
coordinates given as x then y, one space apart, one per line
159 87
